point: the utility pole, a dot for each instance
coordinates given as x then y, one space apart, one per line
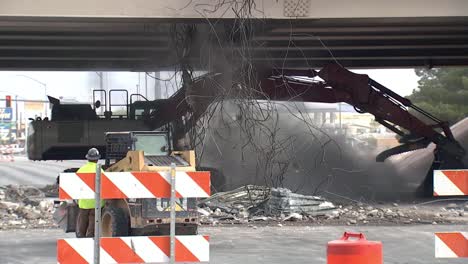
146 85
101 81
101 87
157 86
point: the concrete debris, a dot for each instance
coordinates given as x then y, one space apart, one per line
203 212
241 199
284 201
258 203
265 206
373 212
452 206
293 217
261 218
50 190
25 207
21 192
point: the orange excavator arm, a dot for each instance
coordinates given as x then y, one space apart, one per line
366 96
338 85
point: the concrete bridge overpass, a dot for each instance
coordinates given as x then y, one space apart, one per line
138 35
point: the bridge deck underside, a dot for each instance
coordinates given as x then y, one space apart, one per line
148 44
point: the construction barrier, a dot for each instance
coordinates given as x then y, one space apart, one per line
153 249
450 182
6 157
451 245
141 249
6 153
121 185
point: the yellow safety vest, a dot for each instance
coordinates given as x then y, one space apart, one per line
88 203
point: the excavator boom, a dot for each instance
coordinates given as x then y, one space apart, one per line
366 96
338 84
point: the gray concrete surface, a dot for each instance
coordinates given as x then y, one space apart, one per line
246 245
24 171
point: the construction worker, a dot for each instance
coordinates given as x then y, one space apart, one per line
85 222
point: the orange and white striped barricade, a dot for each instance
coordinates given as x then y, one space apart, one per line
6 154
141 249
7 157
451 245
137 249
122 185
450 182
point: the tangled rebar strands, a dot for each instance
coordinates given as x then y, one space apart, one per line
258 121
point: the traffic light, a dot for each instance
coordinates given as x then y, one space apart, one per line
8 101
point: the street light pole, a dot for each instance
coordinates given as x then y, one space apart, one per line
44 85
39 82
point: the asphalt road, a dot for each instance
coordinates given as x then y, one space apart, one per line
24 171
229 245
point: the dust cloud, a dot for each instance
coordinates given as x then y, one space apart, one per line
315 161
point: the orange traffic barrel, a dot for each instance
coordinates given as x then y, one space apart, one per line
354 251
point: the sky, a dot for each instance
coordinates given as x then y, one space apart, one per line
401 81
78 85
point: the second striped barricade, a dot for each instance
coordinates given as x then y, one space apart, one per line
450 182
152 249
122 185
451 245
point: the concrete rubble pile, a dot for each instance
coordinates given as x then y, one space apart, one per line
397 214
283 201
24 207
259 203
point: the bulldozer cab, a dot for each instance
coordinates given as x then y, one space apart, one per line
152 143
154 146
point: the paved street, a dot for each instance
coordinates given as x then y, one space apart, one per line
246 245
24 171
